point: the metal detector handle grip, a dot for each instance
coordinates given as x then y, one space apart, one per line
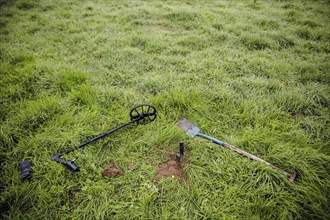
72 166
68 164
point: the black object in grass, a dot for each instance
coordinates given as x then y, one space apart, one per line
26 170
181 153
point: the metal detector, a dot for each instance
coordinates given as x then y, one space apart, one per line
141 114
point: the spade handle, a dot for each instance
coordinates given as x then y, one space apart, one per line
244 153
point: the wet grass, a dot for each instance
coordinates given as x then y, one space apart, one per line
254 74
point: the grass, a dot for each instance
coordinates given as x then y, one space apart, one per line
254 74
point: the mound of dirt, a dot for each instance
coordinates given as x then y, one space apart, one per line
112 171
170 169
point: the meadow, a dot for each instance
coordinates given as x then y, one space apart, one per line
252 73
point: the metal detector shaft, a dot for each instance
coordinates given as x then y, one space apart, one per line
102 135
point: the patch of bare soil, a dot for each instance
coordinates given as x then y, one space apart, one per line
112 171
170 169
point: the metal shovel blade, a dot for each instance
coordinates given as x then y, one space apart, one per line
189 129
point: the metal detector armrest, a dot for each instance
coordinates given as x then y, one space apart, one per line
68 164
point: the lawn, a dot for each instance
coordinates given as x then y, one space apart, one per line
254 74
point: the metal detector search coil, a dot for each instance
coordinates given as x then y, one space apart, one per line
141 114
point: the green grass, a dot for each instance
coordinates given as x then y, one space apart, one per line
254 74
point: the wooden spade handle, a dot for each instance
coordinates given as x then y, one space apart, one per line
251 156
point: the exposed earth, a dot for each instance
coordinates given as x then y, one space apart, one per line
112 171
170 169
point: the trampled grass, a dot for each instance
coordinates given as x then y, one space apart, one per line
254 74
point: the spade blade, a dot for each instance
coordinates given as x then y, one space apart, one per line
189 128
